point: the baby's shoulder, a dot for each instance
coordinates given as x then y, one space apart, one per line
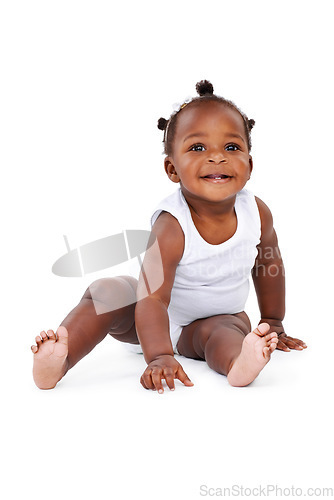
263 208
169 234
265 216
167 221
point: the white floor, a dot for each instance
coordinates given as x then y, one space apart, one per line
99 434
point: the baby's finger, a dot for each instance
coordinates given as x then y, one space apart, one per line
146 381
183 377
299 343
296 346
281 345
290 342
169 377
142 382
156 379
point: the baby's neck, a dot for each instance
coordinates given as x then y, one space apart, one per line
206 210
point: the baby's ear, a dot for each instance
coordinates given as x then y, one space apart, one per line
170 170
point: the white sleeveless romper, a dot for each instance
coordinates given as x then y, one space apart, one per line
210 279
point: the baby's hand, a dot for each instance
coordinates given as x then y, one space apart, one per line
285 343
163 367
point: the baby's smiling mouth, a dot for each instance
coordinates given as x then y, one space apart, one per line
216 176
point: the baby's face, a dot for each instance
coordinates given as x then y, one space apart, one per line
210 155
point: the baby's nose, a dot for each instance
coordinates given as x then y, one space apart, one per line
217 157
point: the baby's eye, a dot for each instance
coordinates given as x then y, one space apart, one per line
232 147
197 147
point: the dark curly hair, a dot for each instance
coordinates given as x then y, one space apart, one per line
205 90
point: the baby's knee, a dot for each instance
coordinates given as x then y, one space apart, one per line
114 293
215 327
208 326
201 335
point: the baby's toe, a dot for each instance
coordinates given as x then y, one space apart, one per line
266 352
44 336
34 348
270 337
273 346
261 329
38 341
51 335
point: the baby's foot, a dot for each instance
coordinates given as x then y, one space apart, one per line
255 354
50 354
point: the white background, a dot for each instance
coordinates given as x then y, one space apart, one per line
82 86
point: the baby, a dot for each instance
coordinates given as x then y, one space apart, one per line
211 235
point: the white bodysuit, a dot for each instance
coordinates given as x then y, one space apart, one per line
211 279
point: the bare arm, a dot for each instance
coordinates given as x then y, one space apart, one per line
151 316
268 272
269 280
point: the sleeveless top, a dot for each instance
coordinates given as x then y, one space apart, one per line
212 279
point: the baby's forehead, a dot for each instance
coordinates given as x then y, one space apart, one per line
209 115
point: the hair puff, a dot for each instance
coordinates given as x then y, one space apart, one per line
204 87
162 123
251 123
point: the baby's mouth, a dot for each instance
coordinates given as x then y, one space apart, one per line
216 176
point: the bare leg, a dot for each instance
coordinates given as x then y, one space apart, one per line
228 346
83 329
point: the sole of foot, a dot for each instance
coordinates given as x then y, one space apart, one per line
255 353
50 357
